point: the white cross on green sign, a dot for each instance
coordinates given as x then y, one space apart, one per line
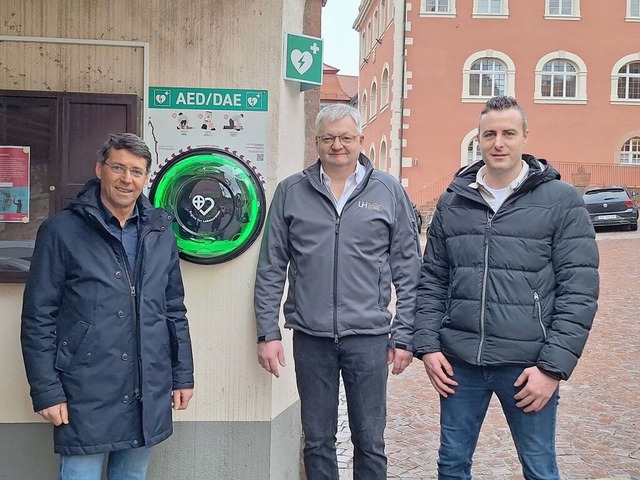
303 59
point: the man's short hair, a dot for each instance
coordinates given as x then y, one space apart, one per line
338 111
505 102
126 141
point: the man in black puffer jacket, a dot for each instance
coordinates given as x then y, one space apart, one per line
507 296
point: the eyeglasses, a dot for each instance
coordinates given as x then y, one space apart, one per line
121 169
345 140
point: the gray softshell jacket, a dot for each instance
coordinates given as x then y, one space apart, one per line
339 267
516 287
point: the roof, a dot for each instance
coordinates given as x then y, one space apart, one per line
337 88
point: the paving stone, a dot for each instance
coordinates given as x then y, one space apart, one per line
598 432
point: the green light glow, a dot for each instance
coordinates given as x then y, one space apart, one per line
227 181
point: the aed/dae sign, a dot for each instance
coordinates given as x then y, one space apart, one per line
303 59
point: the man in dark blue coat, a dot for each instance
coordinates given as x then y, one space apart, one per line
507 296
105 337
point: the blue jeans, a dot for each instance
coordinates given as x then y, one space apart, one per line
462 414
362 360
129 464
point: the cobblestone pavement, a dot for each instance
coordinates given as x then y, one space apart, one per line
598 433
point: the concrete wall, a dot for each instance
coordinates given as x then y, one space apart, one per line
242 423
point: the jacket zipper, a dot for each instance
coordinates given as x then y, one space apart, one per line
538 312
136 320
485 274
132 288
335 280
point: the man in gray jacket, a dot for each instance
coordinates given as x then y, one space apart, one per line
507 296
341 232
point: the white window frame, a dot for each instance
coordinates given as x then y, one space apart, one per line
633 11
464 147
574 15
384 88
376 27
581 78
633 154
372 154
615 75
363 108
510 74
450 13
502 14
383 16
384 155
373 99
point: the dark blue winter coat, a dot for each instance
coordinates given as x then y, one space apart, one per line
111 342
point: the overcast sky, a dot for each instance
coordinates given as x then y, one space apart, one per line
341 44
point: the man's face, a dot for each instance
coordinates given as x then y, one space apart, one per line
119 191
333 154
502 140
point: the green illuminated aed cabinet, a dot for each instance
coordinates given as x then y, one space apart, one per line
217 200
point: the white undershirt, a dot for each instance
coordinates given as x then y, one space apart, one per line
350 185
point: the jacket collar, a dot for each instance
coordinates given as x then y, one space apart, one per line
87 203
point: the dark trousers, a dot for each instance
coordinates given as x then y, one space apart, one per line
362 361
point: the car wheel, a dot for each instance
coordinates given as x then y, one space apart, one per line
633 227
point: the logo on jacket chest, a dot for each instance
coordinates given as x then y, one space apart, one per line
370 205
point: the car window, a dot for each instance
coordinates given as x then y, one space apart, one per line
595 196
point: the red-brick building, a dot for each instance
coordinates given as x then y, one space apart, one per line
428 66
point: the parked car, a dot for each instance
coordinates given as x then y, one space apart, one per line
611 206
418 215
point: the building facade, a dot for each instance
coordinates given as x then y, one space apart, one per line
574 65
73 61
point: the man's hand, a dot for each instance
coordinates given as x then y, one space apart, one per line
181 398
538 389
440 372
270 354
56 414
400 359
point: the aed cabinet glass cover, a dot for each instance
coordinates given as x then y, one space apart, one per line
217 200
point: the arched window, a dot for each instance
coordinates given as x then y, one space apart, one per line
630 152
469 149
561 77
629 81
363 108
487 78
376 26
625 80
372 154
486 74
384 87
383 16
373 108
383 155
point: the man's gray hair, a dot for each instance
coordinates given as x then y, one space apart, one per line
505 102
338 111
126 141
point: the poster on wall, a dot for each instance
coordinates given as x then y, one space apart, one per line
181 119
14 184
